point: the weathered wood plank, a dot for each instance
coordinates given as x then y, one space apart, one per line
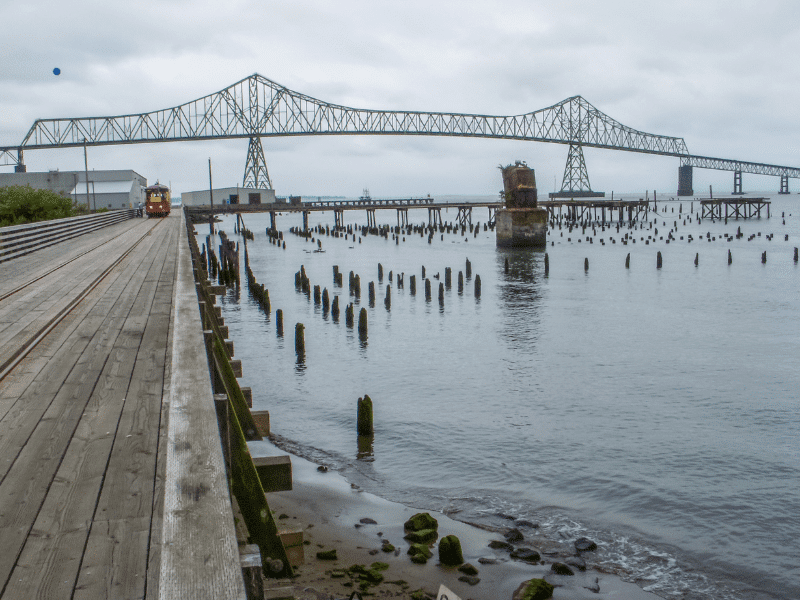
20 419
53 553
199 553
23 489
128 488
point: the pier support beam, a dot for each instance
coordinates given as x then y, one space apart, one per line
464 216
685 180
338 217
272 219
305 220
434 217
784 184
737 183
371 221
402 217
492 216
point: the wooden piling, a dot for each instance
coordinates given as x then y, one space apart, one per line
371 293
441 294
348 315
299 339
326 301
658 260
413 281
764 257
448 277
477 286
460 282
586 264
279 322
546 264
364 416
317 295
335 308
388 300
468 269
628 261
697 259
730 257
362 323
427 290
380 273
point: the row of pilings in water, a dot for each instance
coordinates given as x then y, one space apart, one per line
226 267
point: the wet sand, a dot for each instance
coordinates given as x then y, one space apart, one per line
329 512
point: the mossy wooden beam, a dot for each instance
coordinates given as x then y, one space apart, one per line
246 487
238 403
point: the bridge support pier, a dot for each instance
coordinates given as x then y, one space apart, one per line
305 220
402 217
737 183
20 166
371 222
685 181
338 217
272 220
784 184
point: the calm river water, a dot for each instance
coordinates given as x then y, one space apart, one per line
653 410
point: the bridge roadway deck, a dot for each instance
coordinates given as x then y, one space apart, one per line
85 419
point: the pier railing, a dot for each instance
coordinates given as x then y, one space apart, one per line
235 427
19 240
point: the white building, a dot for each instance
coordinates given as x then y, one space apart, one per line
107 189
230 195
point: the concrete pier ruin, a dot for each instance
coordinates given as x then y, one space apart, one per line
522 223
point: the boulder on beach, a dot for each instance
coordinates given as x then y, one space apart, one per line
561 569
422 549
450 551
514 535
585 545
468 569
498 545
421 521
422 536
526 554
534 589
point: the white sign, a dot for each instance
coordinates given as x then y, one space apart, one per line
446 594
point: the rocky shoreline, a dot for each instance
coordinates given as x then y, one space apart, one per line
355 541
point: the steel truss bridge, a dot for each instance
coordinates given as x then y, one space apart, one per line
257 107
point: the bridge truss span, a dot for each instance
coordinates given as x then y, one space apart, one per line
259 107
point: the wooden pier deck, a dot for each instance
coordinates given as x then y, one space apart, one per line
89 454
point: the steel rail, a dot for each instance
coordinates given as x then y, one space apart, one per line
20 353
53 270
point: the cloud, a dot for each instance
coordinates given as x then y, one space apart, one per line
720 75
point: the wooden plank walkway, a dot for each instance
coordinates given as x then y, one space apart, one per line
84 416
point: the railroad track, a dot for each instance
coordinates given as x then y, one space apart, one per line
22 351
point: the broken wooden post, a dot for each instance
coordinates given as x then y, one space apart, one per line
364 416
299 339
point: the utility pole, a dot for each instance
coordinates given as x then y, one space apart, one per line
211 195
86 167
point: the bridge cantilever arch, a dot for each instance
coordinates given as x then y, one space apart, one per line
257 107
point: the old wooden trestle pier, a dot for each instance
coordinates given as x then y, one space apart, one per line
563 210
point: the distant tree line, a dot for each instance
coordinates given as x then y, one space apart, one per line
24 204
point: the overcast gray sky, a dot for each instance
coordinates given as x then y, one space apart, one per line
721 74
